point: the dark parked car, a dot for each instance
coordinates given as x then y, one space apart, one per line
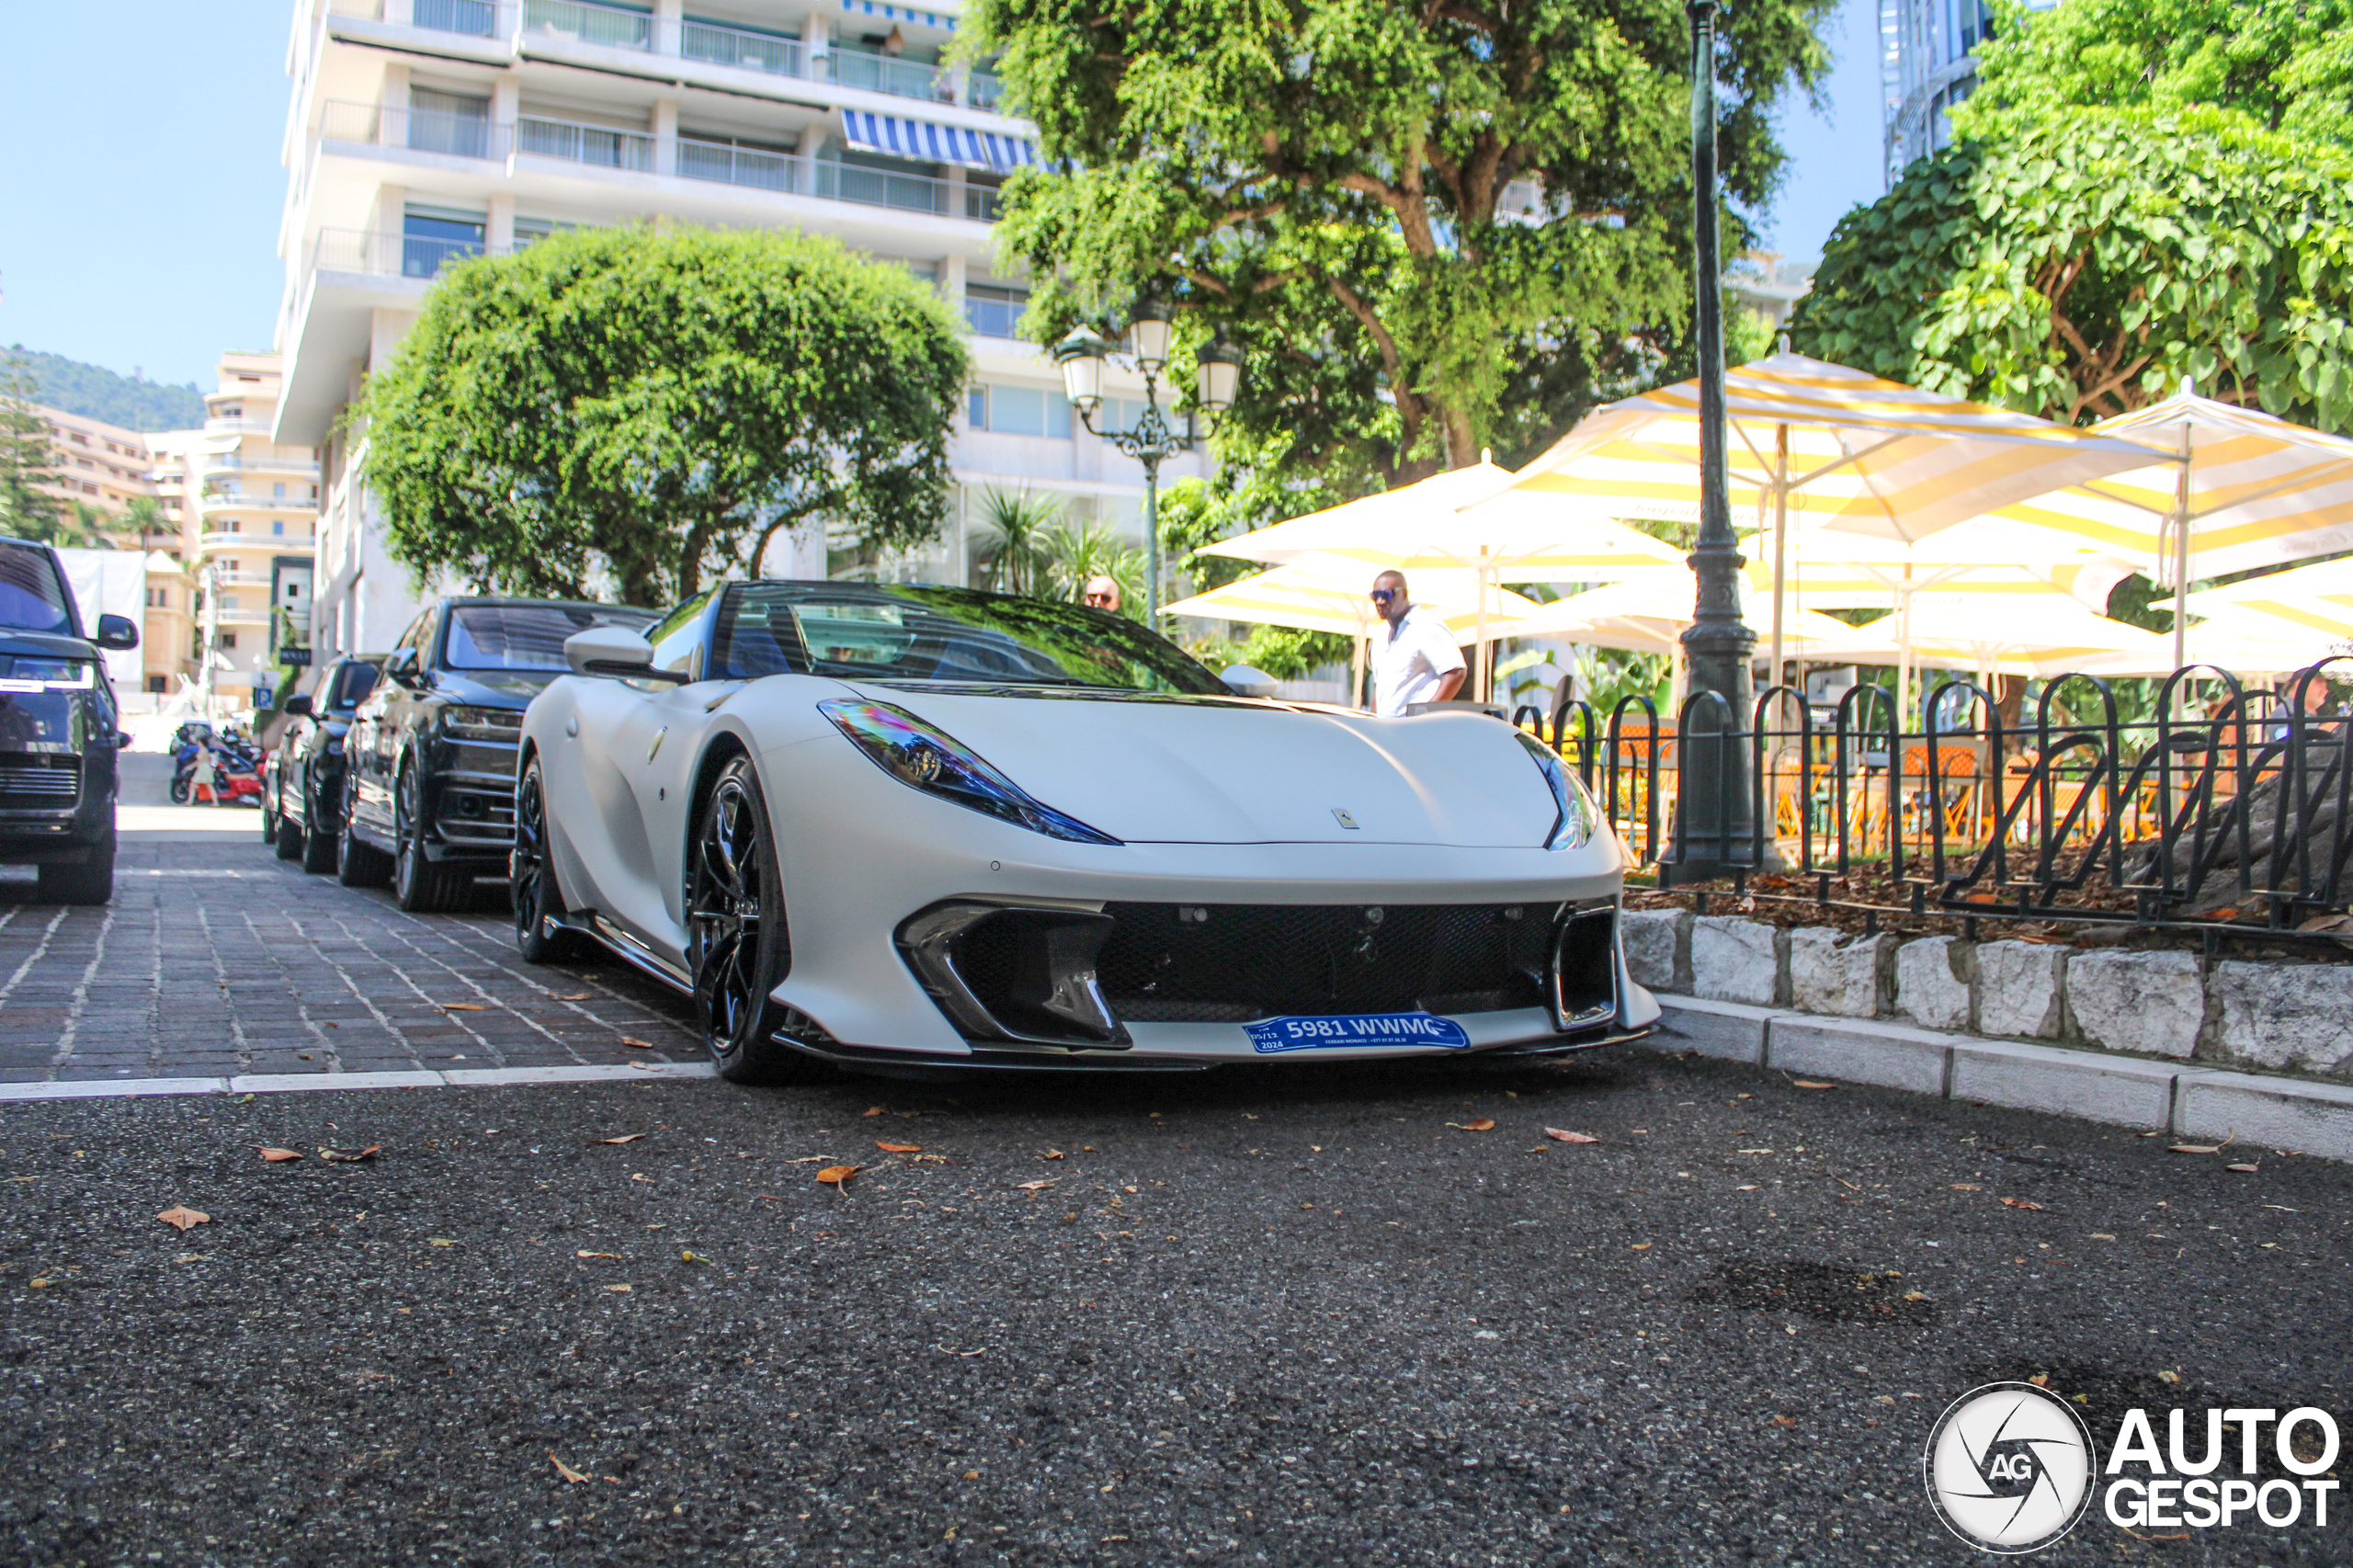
301 783
429 774
59 729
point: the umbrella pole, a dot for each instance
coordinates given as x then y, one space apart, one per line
1479 662
2181 550
1357 662
1780 548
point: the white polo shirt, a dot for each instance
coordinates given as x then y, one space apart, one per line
1409 658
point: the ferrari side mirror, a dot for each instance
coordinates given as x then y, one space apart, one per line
617 653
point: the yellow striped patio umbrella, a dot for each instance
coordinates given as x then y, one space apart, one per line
2307 604
2237 489
1829 444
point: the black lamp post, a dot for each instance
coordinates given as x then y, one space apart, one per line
1715 818
1151 440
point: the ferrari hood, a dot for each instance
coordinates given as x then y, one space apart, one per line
1219 770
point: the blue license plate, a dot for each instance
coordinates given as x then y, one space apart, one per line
1326 1032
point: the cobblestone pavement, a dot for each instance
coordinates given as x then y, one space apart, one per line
216 958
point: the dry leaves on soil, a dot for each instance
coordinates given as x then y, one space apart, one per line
624 1138
464 1008
2020 1203
871 1110
899 1148
348 1156
614 1255
1810 1084
1562 1135
836 1176
573 997
278 1156
565 1471
638 1044
1033 1186
1482 1124
180 1217
2248 1170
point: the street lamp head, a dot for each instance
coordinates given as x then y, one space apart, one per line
1081 356
1220 376
1150 325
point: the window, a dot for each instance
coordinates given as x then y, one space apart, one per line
278 528
1019 411
527 636
449 122
159 685
228 640
432 237
531 231
992 311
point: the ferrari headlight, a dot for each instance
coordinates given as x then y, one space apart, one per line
1573 826
923 758
482 723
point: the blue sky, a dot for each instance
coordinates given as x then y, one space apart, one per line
139 203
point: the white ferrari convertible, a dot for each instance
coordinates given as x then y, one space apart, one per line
901 826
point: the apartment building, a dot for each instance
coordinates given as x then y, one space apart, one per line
100 466
1928 66
240 611
422 130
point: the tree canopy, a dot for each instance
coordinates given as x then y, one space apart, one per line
25 512
656 405
1432 226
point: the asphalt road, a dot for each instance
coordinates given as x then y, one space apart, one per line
1284 1315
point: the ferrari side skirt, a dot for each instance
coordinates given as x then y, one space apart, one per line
624 947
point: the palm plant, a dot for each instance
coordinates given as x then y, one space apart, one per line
1012 558
1079 549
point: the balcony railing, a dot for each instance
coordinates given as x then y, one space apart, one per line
590 23
237 462
592 144
830 181
983 91
899 78
387 255
734 46
475 19
220 540
236 427
419 131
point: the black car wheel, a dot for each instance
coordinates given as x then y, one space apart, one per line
420 884
537 897
87 879
357 864
318 835
278 826
270 822
737 941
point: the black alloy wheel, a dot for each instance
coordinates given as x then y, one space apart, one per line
531 877
736 943
318 834
357 864
420 884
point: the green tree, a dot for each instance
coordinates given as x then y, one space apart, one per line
1430 227
1192 517
657 404
1078 549
25 512
2286 64
144 520
2080 264
1013 557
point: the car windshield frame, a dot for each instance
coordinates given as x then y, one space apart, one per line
25 569
335 703
920 632
581 616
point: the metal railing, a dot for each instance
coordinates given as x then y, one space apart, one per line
2195 799
881 74
717 45
593 144
388 254
418 131
475 19
221 539
983 91
591 23
831 181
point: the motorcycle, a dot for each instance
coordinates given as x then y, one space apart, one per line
236 764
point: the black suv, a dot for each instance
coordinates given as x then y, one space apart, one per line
302 782
59 729
429 762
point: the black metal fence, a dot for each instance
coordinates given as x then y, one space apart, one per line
2193 800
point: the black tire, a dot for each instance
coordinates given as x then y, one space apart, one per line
182 784
269 827
420 884
284 832
357 864
532 882
318 847
738 945
89 880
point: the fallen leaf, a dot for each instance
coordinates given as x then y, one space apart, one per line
1642 1246
899 1148
614 1255
693 1257
439 1242
464 1008
1916 1295
640 1175
573 997
565 1471
180 1217
1562 1135
2041 1380
2193 1148
346 1157
1967 1187
278 1156
835 1176
624 1138
2250 1170
871 1110
1482 1124
622 1289
1033 1186
2102 1236
2020 1203
1051 1154
1810 1084
1755 1151
2169 1376
1785 1421
640 1044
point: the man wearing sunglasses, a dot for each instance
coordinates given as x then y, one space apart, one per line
1101 593
1413 658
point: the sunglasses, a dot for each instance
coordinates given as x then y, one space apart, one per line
1102 599
1383 595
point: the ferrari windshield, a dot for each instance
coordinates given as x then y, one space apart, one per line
31 597
527 636
913 631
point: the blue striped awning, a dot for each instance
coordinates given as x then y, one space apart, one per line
928 144
899 14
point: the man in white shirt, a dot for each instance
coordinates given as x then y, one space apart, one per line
1413 656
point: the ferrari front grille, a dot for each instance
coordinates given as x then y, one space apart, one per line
1231 963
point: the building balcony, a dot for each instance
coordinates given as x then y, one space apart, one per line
243 462
828 181
236 427
414 130
214 540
